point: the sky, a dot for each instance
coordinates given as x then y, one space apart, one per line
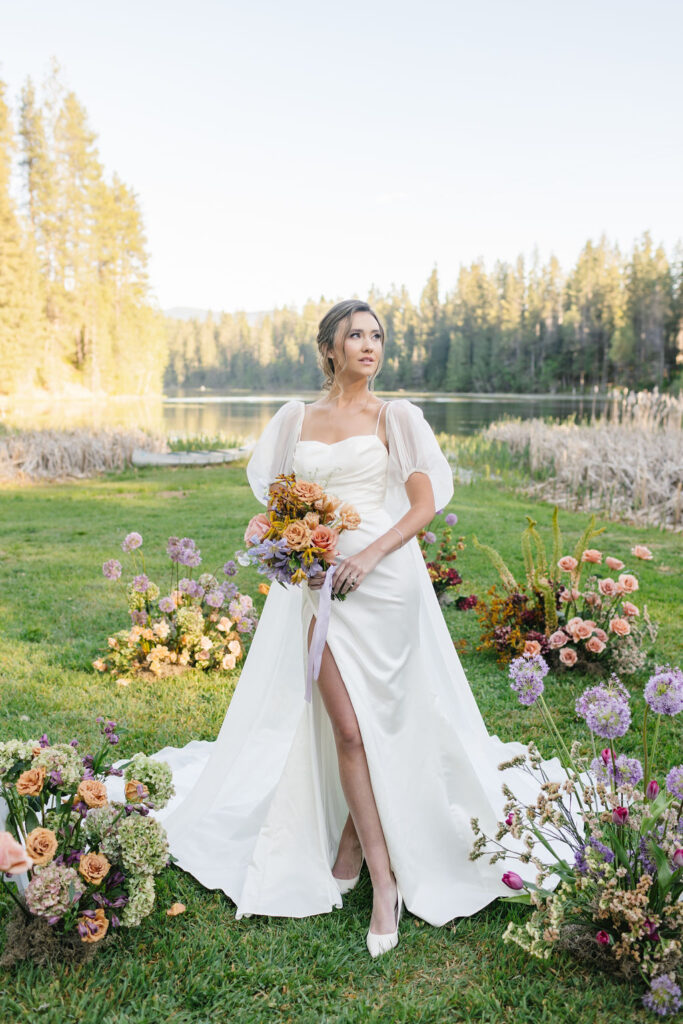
282 152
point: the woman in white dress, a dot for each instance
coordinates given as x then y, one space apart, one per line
390 759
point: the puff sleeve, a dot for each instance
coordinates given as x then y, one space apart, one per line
414 448
273 452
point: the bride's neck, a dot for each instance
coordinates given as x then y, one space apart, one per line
350 395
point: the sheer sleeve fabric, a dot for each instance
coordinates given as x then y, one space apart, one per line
273 452
414 448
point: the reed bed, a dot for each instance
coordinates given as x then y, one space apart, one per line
67 454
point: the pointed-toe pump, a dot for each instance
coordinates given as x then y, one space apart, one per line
347 884
378 944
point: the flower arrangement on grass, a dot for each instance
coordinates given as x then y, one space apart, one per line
618 901
442 574
593 626
83 864
296 537
199 623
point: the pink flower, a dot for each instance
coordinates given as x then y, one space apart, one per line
13 857
558 639
257 528
602 938
591 555
607 587
606 755
583 630
567 563
531 648
568 656
678 858
630 609
620 815
510 819
594 645
640 551
614 563
600 634
628 582
513 880
652 789
620 626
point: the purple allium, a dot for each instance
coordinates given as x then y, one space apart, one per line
629 770
613 688
167 605
527 678
664 996
215 598
429 537
173 548
664 690
112 569
674 782
245 624
609 718
451 519
230 567
138 617
141 583
131 541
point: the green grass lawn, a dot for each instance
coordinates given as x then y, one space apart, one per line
56 610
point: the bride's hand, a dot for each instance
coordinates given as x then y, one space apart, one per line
352 570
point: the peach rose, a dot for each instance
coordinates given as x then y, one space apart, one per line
228 661
593 600
14 859
630 609
607 587
558 639
628 583
30 783
592 555
259 525
567 563
568 656
95 928
601 635
41 845
640 551
531 647
595 646
325 538
92 792
235 647
224 624
99 665
94 867
583 630
175 909
349 517
307 491
620 626
133 796
311 519
297 535
264 588
614 563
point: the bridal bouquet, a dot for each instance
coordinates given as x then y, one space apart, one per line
619 902
297 535
82 864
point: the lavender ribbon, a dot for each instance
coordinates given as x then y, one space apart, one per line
322 621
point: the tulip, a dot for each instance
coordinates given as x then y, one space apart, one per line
602 938
606 755
620 815
651 930
509 820
678 858
652 789
513 880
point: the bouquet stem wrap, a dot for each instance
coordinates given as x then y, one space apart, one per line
322 621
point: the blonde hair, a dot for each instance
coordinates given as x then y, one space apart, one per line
342 314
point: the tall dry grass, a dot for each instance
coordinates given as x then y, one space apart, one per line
64 454
626 464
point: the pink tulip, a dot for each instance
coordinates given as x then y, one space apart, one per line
602 938
652 789
13 857
678 858
606 755
513 880
620 815
651 929
509 820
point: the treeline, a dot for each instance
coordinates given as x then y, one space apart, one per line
75 308
613 319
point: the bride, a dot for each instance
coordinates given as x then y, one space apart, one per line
390 759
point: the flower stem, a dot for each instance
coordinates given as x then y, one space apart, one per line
646 769
15 897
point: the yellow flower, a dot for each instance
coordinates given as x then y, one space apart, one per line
299 576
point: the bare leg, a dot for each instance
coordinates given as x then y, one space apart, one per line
355 780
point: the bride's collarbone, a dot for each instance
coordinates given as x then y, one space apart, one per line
332 428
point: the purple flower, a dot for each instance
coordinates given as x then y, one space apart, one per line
115 921
451 519
167 605
141 583
113 739
56 778
44 741
138 618
664 690
607 854
230 567
131 541
580 862
513 880
608 718
173 548
664 996
245 624
629 770
527 678
613 688
215 598
674 782
73 743
112 569
429 537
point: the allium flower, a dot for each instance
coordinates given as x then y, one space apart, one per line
527 677
230 567
429 537
612 688
609 718
664 996
451 519
131 541
167 605
141 583
664 690
215 598
173 548
629 770
47 894
674 782
112 569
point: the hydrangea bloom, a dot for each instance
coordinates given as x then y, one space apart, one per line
13 751
131 541
664 996
674 782
609 718
47 894
629 770
143 844
527 678
63 759
100 831
154 774
664 690
140 900
112 569
191 621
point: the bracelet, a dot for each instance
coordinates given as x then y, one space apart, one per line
399 533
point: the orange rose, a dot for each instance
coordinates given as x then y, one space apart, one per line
640 551
133 795
595 645
311 519
41 845
93 793
14 859
94 867
297 535
263 588
630 609
349 517
567 563
568 656
325 538
531 647
30 783
620 626
95 928
259 525
307 492
591 555
628 583
614 563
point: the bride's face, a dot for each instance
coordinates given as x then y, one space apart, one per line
361 348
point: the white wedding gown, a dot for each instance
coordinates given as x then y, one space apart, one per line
259 812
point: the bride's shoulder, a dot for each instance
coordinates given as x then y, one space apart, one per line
403 410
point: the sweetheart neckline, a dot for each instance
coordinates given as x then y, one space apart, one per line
331 444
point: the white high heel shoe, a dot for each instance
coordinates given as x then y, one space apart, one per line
347 884
378 944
